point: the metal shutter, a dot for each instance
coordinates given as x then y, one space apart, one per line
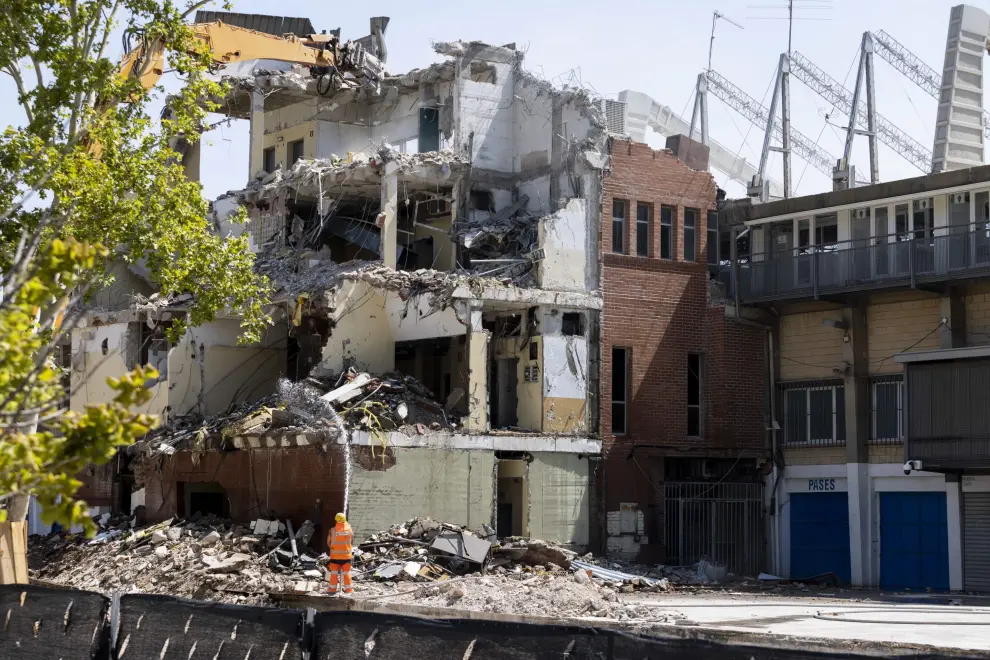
976 541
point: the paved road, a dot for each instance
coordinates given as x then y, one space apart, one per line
901 620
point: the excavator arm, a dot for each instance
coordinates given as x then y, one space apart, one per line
229 43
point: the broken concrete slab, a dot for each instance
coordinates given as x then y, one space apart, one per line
209 539
462 545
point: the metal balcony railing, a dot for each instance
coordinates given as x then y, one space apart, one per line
904 259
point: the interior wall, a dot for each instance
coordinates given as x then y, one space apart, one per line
529 395
208 370
565 375
91 368
563 236
486 110
361 334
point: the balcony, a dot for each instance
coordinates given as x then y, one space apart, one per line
916 259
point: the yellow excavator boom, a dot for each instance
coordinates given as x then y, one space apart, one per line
229 43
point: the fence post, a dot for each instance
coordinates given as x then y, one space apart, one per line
13 553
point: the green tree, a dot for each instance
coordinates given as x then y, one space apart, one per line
88 176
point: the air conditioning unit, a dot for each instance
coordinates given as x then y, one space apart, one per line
615 116
921 204
960 198
861 214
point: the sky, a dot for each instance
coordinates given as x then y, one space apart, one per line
654 46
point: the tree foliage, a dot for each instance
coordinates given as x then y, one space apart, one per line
88 176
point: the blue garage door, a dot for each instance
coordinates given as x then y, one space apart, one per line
820 535
914 541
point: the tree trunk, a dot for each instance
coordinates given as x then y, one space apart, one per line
17 507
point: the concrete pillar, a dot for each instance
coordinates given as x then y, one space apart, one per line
257 135
953 520
953 310
860 524
477 385
387 220
855 354
857 399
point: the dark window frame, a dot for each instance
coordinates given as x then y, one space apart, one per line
644 222
620 408
712 239
619 225
667 214
800 414
695 395
690 234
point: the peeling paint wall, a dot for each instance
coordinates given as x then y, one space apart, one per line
560 491
448 485
565 376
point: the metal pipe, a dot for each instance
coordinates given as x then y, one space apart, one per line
785 120
871 112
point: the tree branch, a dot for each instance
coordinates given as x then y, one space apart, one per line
14 69
194 7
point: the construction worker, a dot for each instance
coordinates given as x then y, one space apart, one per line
340 539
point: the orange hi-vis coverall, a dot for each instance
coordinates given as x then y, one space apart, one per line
340 539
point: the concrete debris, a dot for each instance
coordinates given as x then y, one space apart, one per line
317 175
298 81
543 594
294 273
206 559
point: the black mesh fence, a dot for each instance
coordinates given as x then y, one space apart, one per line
42 624
164 627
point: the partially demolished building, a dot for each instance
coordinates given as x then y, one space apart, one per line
433 247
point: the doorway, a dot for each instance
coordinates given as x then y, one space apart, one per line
505 395
512 503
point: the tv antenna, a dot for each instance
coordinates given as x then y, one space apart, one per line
711 42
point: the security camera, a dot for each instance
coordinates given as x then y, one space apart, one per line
912 466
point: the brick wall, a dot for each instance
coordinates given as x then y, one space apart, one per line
659 309
277 482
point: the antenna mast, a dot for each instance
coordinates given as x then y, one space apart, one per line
711 42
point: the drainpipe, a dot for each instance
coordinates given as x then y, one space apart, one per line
775 472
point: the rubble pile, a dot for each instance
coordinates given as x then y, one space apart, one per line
504 242
391 401
206 559
420 562
322 408
574 595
